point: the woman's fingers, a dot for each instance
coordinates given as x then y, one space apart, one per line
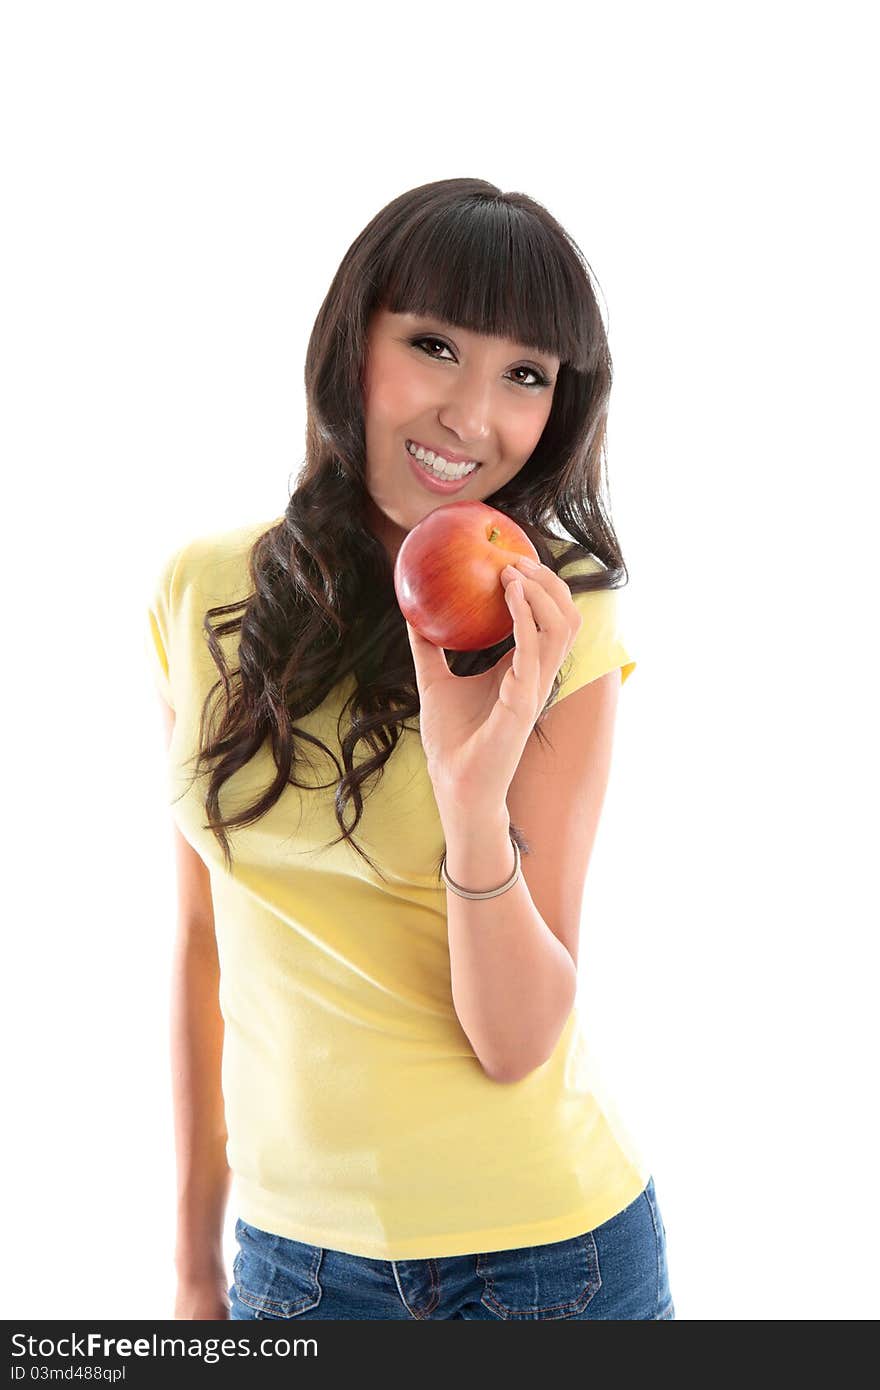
545 622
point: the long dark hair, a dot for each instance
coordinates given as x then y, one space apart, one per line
323 605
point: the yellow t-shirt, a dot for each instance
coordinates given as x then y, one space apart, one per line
358 1116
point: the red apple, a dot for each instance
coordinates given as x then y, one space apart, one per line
447 575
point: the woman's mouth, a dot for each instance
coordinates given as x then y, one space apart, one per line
436 481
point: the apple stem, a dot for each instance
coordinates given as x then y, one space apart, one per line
494 534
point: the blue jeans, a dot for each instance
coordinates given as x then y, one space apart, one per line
618 1271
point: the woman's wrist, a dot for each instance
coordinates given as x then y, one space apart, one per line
462 806
479 851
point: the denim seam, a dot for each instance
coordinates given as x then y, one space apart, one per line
434 1297
647 1198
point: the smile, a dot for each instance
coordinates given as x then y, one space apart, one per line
438 466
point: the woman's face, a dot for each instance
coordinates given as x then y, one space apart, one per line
486 399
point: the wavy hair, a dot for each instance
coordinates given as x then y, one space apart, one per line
322 604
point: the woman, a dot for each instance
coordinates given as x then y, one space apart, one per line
375 1030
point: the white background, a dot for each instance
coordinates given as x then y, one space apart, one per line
180 182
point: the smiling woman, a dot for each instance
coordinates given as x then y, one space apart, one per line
404 1075
468 421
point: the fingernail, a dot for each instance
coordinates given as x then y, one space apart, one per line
527 564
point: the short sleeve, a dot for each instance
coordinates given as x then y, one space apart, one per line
599 646
159 630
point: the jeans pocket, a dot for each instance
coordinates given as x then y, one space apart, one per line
541 1281
274 1275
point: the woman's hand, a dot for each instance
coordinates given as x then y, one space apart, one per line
474 728
204 1299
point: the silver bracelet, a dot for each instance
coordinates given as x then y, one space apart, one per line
491 892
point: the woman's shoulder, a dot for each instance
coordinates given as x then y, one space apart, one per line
227 544
216 562
575 559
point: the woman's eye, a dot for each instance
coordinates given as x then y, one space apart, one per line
540 379
417 342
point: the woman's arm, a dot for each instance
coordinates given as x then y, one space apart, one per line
514 957
203 1174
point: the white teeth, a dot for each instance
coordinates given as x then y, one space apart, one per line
435 463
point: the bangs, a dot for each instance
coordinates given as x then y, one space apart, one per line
492 268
